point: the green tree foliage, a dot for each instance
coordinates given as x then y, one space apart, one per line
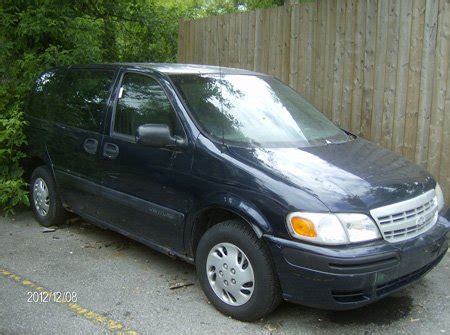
202 8
37 35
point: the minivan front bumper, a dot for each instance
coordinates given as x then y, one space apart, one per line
339 278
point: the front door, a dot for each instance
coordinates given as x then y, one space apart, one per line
143 186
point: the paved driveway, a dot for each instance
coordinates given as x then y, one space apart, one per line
124 287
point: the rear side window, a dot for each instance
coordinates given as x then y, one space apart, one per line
76 98
46 95
143 101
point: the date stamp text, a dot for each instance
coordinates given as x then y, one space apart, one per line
57 296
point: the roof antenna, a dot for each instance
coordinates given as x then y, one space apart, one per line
222 148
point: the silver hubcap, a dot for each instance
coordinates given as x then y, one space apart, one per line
41 197
230 274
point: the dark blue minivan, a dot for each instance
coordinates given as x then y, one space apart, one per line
237 173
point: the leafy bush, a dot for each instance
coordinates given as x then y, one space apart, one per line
12 187
37 35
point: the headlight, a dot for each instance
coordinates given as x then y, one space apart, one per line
440 197
332 229
359 227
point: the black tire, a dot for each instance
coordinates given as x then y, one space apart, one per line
267 293
56 213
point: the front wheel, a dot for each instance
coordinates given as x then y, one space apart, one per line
45 202
236 272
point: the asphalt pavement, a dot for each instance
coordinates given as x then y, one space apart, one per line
114 284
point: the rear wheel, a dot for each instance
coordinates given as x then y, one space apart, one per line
236 272
45 202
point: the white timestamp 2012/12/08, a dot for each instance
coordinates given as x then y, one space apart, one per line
57 296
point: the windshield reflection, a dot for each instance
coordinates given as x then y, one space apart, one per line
255 110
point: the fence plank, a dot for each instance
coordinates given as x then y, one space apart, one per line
258 40
358 73
348 64
444 170
278 43
414 75
369 68
329 58
380 64
232 36
214 40
439 90
208 35
243 47
398 132
319 54
198 42
275 44
223 42
309 52
390 74
237 40
191 42
338 62
181 38
286 19
426 81
265 42
301 46
251 41
294 47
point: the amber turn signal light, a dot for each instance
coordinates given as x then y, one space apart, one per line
303 227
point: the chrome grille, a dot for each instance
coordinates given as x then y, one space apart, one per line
407 219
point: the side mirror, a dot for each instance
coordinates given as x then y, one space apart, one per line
158 136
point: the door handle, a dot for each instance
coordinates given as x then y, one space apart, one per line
110 150
90 145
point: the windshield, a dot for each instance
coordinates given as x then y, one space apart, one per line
249 110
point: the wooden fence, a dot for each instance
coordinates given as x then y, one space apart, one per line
379 68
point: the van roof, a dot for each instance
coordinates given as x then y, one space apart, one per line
174 68
177 68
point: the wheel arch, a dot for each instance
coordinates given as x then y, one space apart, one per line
221 207
32 162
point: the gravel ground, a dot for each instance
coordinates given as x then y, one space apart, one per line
123 286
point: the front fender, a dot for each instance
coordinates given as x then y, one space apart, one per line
235 204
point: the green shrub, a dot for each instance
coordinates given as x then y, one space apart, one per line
12 187
37 35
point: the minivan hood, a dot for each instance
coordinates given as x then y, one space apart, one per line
353 176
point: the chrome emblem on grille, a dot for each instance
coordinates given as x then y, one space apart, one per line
421 220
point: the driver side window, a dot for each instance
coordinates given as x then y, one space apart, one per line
143 101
